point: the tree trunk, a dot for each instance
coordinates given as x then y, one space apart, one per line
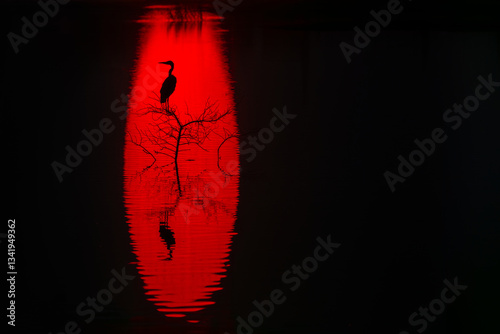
175 161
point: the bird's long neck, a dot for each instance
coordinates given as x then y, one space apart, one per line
171 70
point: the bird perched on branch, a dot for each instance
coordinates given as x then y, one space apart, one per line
168 86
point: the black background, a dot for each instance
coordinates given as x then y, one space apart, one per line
322 175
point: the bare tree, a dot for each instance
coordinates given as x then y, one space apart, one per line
170 133
227 135
138 140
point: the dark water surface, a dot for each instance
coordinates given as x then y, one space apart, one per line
202 258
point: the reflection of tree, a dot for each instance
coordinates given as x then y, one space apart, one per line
171 133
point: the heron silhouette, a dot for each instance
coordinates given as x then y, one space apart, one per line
168 86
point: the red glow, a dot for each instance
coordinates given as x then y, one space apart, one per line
180 279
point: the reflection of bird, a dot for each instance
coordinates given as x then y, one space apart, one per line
166 232
168 86
167 235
